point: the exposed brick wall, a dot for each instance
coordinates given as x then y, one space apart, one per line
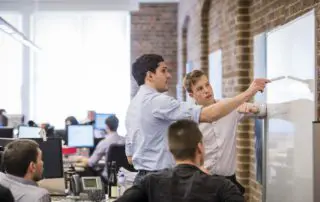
230 25
214 24
154 30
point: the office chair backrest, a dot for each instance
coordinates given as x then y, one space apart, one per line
1 162
117 153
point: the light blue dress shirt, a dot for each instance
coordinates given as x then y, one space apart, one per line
102 149
148 117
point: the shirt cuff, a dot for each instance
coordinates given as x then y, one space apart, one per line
196 113
262 110
90 163
128 150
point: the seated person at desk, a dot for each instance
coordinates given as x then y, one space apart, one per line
23 165
102 148
71 120
3 118
187 181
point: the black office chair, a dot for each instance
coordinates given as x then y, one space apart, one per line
1 161
5 194
117 153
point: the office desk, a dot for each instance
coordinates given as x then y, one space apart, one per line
64 199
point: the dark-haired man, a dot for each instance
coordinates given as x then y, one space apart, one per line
187 181
23 165
151 112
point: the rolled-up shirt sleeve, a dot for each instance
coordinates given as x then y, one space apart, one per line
168 108
98 153
129 151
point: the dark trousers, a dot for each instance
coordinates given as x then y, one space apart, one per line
140 175
233 179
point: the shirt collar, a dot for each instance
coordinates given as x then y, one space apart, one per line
22 180
113 133
148 88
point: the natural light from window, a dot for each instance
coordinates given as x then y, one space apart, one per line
84 65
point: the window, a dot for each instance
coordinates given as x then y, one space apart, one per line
11 67
84 65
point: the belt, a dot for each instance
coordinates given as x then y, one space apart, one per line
146 171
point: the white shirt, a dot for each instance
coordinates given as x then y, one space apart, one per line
219 139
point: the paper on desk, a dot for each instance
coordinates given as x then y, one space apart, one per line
129 175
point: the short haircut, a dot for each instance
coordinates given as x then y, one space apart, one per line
18 155
192 78
183 137
144 64
112 122
72 120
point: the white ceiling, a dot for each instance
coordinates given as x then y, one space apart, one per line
76 4
157 1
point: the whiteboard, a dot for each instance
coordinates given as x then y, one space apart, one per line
291 110
215 73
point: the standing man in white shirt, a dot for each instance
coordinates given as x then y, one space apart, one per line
219 136
151 112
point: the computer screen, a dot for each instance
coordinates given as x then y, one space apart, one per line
29 132
100 120
5 141
52 157
6 132
80 136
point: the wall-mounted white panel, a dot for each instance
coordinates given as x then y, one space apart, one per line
215 73
291 110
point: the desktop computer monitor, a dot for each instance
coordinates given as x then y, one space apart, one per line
52 157
80 136
6 132
5 141
100 120
29 132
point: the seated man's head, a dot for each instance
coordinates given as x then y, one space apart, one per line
71 120
185 142
151 69
197 84
112 123
23 158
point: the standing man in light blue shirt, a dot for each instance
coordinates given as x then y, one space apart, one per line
151 112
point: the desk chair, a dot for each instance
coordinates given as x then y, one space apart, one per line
1 161
117 153
5 194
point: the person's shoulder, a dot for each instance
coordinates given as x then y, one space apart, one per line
35 193
161 174
163 100
216 181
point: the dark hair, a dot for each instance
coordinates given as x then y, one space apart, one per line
18 155
144 64
192 78
112 122
1 111
184 136
32 124
72 120
3 118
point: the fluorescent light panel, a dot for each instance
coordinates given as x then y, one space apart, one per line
14 33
